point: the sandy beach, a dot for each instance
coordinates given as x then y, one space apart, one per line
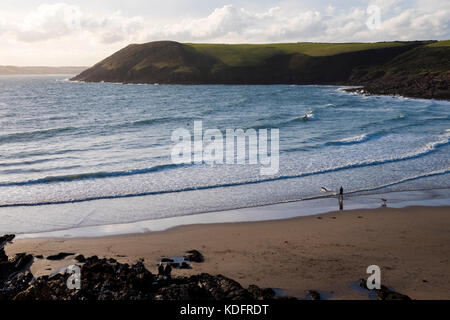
326 252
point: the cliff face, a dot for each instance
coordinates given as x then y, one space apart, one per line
155 62
423 72
390 68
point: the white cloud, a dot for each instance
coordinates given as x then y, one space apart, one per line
49 21
50 26
230 23
416 24
113 28
53 21
237 25
3 26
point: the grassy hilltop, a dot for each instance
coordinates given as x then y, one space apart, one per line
255 54
412 68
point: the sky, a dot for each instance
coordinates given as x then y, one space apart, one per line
83 32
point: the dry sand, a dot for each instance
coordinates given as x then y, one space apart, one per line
325 252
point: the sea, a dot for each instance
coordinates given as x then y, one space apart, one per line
77 155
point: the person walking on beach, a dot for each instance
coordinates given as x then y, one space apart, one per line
341 198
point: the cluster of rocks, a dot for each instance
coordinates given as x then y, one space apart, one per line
194 256
416 86
107 279
384 293
14 274
182 262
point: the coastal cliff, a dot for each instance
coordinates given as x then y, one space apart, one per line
411 68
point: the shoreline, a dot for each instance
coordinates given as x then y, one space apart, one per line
361 89
327 252
368 91
267 212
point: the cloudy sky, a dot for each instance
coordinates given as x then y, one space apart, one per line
45 32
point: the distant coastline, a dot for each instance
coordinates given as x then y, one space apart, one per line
36 70
419 69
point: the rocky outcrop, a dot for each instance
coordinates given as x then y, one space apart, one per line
261 294
423 72
60 256
415 86
14 273
384 293
107 279
194 256
313 295
80 258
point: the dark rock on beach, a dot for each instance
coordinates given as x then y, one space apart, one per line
10 267
3 256
220 287
314 295
261 294
363 283
60 256
107 279
17 284
14 273
183 262
194 256
384 293
387 294
5 239
80 258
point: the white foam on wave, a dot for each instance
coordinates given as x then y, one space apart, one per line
360 138
309 116
424 150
